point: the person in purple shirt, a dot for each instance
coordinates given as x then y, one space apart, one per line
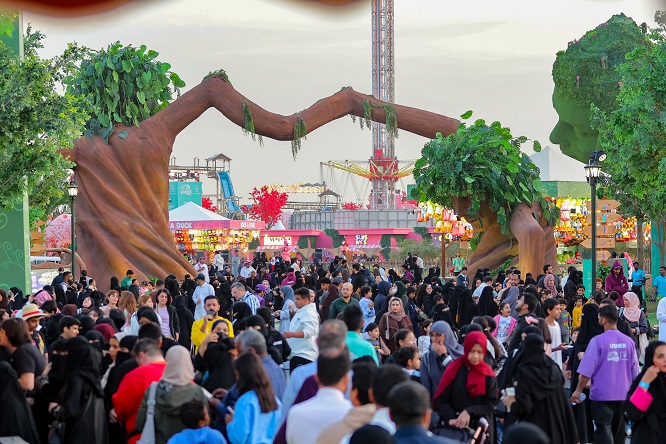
610 363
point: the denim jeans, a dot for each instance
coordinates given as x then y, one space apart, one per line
608 422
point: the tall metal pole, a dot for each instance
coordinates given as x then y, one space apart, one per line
73 243
593 186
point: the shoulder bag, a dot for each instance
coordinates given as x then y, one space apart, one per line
148 432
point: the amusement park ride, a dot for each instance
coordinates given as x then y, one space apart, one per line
384 169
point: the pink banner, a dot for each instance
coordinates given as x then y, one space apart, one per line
217 225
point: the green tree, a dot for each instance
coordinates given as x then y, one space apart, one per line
482 163
424 248
35 123
634 135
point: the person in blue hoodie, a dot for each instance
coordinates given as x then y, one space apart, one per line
195 417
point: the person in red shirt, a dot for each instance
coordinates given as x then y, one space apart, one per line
127 400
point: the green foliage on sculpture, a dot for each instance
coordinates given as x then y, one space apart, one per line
586 72
337 238
36 123
305 242
481 163
423 232
389 111
300 132
634 136
122 84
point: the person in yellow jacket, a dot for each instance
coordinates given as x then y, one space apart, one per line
203 326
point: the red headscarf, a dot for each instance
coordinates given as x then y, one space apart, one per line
476 378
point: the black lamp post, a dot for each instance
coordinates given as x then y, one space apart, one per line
592 172
73 191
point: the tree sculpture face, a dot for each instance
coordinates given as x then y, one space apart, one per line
573 131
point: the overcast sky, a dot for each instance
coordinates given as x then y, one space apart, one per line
491 56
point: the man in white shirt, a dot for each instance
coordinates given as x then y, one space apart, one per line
203 290
239 293
551 307
303 330
218 261
246 270
202 268
488 280
306 420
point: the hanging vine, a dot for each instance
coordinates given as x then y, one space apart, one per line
248 124
423 232
389 110
300 132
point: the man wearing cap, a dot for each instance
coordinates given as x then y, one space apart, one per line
31 314
260 293
203 290
246 270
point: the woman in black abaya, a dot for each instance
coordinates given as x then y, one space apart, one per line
540 398
82 398
16 418
487 305
647 409
589 328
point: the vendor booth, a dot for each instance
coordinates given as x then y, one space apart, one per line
198 231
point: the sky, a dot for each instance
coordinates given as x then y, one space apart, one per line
490 56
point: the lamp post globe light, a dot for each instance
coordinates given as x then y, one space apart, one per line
73 191
592 172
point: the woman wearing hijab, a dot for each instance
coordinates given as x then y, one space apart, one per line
16 298
549 284
393 276
467 391
443 350
97 342
540 397
589 328
637 321
288 307
81 405
401 293
219 360
173 390
16 418
332 295
383 291
645 406
487 305
466 308
289 280
394 320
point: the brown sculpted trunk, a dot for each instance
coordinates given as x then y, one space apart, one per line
122 206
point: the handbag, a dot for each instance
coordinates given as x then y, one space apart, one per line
57 432
148 432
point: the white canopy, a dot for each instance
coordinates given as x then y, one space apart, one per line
278 226
556 167
191 212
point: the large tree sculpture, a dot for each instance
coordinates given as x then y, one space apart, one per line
122 207
481 172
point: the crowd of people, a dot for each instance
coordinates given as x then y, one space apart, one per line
266 350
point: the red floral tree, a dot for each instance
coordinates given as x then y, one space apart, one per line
351 206
207 203
267 205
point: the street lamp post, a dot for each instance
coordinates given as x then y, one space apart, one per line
592 171
73 191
